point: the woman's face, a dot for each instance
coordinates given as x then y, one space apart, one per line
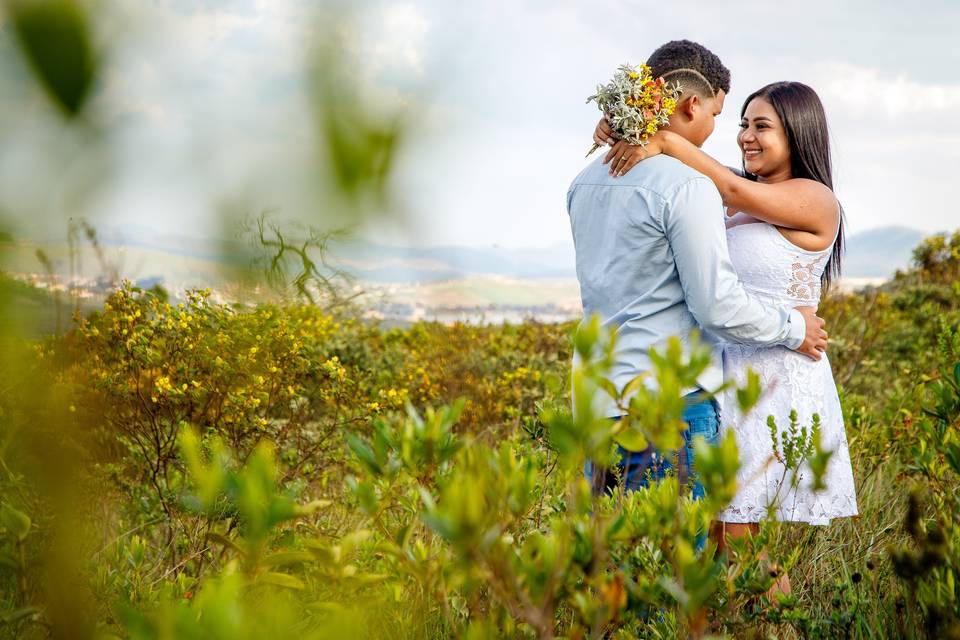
763 141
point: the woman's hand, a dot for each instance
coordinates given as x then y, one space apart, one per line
604 133
623 156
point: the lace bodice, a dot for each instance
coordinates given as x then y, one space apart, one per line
773 268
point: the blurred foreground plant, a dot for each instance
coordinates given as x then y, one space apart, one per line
930 564
55 39
623 564
471 519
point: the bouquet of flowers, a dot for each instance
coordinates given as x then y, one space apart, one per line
636 104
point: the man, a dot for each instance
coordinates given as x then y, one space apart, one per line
652 261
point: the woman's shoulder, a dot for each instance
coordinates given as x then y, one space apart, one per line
815 193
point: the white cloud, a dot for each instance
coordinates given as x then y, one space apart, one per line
399 36
866 89
383 40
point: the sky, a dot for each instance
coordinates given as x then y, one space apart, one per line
206 104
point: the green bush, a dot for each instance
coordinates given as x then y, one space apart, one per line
206 470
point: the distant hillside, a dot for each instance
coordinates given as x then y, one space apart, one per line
878 253
183 261
379 263
175 269
28 311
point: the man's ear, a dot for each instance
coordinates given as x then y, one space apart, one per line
688 108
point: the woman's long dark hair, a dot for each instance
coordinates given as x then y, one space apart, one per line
805 123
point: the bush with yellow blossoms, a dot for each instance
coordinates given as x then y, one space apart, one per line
211 470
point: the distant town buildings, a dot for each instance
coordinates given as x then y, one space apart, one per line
389 304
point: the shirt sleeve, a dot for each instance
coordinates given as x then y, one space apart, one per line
713 292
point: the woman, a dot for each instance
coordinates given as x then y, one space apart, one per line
785 233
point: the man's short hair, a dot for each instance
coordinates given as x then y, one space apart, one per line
695 67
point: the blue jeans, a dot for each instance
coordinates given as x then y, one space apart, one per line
639 467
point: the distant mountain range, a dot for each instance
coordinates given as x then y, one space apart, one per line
380 263
145 253
876 253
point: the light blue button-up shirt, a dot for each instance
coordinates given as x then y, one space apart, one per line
652 261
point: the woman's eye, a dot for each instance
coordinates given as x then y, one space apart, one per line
743 125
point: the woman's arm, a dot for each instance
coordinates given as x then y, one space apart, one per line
805 205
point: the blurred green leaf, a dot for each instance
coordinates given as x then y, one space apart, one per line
225 541
749 394
15 522
634 385
282 580
285 558
631 439
361 138
586 335
54 38
819 458
9 561
364 454
717 468
208 479
16 615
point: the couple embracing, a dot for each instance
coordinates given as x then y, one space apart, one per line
668 241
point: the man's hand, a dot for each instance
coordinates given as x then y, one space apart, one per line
815 340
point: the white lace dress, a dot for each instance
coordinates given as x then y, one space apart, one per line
776 271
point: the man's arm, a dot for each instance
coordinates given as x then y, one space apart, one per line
710 284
